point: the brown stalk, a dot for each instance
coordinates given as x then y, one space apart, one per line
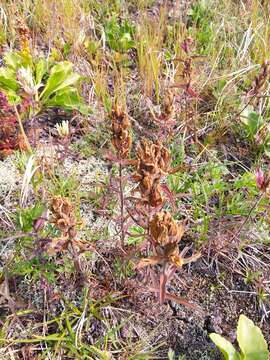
178 300
64 219
166 234
121 141
121 192
26 142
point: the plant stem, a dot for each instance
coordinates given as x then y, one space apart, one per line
77 264
121 205
162 285
27 144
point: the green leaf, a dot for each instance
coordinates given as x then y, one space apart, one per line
27 216
69 99
13 60
61 77
252 120
13 98
8 79
119 36
41 69
225 347
251 340
16 59
267 151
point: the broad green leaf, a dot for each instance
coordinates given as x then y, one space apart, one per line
61 77
225 347
13 98
251 340
66 97
69 99
8 79
70 80
13 60
16 59
252 120
41 69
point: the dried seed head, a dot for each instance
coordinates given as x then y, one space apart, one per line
164 229
168 104
121 138
153 161
65 220
153 157
24 35
61 206
164 158
63 215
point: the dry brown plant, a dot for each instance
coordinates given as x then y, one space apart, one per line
165 235
64 219
121 141
153 162
121 138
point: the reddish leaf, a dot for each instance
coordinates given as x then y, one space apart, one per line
178 300
153 260
184 302
169 195
192 92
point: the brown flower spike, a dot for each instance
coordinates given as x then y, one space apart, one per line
153 162
165 230
24 35
121 138
166 234
168 106
64 219
63 213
